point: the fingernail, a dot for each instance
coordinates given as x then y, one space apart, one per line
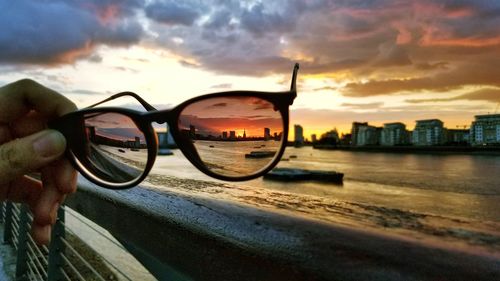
50 144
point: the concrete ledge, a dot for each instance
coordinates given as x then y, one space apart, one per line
199 238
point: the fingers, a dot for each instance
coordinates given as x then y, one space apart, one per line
30 153
18 98
29 124
22 190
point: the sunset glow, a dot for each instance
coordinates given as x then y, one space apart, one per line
375 61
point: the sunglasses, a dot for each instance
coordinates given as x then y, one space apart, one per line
232 136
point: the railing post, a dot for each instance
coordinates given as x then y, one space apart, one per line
22 244
56 248
7 232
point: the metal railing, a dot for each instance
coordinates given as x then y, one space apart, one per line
62 259
179 236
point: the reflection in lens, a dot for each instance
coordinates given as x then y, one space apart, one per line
113 149
233 136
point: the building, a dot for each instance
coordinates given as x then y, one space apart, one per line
394 134
355 130
165 140
485 130
457 137
428 132
232 135
367 135
224 135
330 137
299 135
346 139
314 138
267 133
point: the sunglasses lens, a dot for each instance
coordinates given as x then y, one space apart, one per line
112 148
233 136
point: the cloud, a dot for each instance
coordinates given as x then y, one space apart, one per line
372 105
489 94
63 31
172 12
482 73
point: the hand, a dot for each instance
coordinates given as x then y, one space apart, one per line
27 146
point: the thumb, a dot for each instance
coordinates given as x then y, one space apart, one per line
30 153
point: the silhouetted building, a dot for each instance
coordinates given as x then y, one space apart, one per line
224 135
346 139
330 137
232 135
485 130
355 131
192 131
394 134
428 132
314 138
244 134
299 135
267 133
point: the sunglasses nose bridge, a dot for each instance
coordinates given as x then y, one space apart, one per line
160 117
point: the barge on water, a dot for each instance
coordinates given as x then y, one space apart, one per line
292 174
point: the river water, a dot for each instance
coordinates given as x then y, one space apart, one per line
466 186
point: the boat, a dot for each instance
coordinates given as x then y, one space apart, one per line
211 146
293 156
165 152
121 150
260 154
293 174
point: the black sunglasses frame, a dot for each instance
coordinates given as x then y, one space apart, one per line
143 120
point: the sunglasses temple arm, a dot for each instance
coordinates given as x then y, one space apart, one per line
145 104
293 87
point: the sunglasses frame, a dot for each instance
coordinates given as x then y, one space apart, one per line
66 125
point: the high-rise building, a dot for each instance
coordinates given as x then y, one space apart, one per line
485 130
267 133
299 135
355 130
192 131
224 135
314 138
428 132
394 134
367 135
232 135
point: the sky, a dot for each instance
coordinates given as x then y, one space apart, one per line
376 61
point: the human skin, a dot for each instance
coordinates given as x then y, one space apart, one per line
27 146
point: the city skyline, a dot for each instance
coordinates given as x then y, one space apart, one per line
383 61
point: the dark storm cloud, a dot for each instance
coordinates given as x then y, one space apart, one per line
63 31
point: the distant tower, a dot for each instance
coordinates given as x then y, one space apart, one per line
232 135
224 135
192 131
314 138
244 134
299 135
267 133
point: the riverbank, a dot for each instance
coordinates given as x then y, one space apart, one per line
478 150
